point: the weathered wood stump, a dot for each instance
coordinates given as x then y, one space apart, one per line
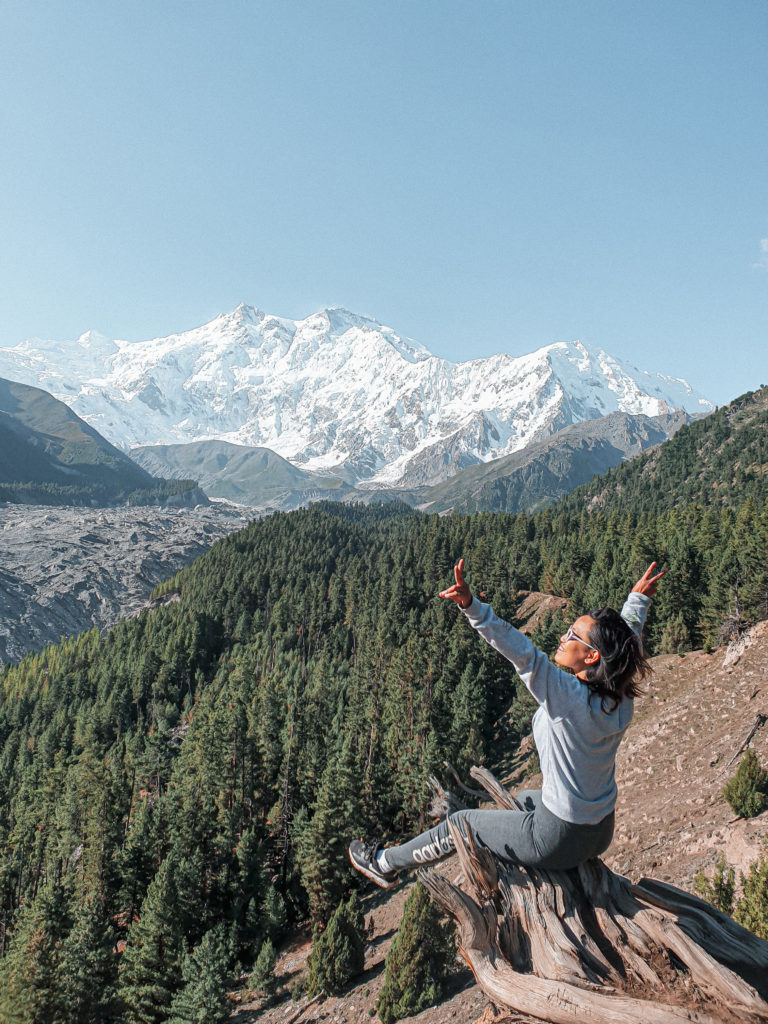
589 945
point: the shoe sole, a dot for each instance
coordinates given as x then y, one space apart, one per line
376 878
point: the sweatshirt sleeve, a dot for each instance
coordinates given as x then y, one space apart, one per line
548 684
635 610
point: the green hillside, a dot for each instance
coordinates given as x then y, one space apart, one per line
207 763
247 475
49 456
718 460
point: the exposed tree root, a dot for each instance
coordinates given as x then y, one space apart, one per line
588 945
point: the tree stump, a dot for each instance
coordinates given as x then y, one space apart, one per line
589 945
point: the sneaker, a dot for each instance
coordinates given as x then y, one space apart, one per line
363 858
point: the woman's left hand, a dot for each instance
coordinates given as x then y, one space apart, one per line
648 582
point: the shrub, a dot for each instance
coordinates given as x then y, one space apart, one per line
719 891
746 791
337 954
419 962
752 908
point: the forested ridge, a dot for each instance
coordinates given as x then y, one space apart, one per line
188 783
715 460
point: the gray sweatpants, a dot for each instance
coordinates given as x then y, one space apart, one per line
534 837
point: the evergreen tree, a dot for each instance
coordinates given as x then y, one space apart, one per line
470 717
275 912
31 971
752 908
89 969
675 636
337 954
151 961
262 980
720 890
419 962
323 844
203 998
250 886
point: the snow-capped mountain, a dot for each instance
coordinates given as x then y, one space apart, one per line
336 393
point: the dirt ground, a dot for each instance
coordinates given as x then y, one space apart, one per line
672 820
682 748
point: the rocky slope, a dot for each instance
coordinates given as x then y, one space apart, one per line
336 391
671 817
64 570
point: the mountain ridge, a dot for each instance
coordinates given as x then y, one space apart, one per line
545 470
527 480
336 391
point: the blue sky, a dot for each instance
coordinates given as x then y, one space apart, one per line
481 176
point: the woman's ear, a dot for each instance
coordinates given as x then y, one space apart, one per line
592 657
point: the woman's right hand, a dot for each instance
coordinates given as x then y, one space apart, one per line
459 592
649 582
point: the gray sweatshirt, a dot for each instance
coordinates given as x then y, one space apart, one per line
576 740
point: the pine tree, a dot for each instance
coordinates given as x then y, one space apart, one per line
149 971
89 970
752 908
31 971
469 718
675 636
720 890
337 954
275 912
262 980
419 961
203 999
322 847
250 887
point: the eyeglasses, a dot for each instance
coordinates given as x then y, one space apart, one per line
570 635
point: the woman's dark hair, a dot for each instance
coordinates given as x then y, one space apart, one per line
622 659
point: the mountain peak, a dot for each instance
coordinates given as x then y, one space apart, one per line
246 314
341 319
93 341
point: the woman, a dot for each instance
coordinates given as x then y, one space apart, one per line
582 717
